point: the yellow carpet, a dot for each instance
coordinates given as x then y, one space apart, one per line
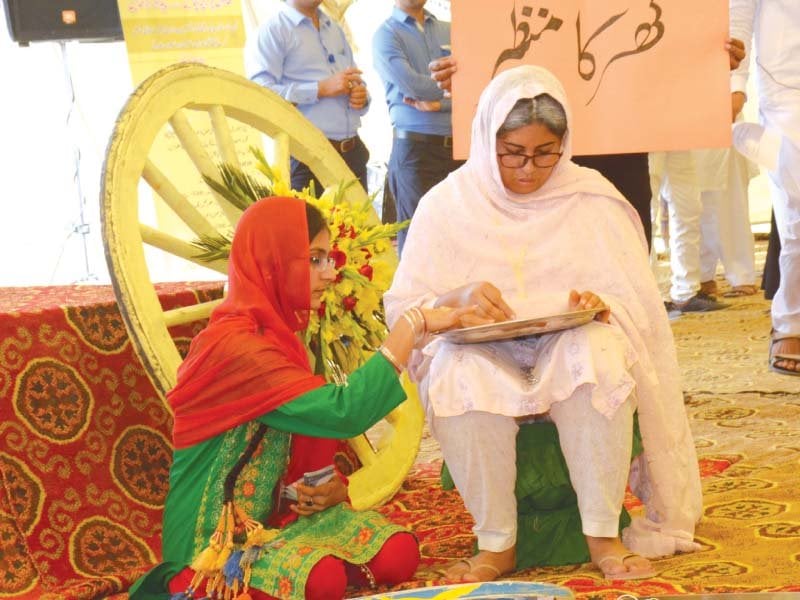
751 523
726 351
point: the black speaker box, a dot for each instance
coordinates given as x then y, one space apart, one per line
44 20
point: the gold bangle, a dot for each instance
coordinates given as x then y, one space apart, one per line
410 316
418 312
387 354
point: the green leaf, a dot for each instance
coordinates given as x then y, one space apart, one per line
213 248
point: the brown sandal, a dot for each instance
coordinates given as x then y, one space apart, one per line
738 291
775 357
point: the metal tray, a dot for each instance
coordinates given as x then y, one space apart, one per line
519 328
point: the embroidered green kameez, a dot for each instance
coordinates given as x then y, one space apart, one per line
194 501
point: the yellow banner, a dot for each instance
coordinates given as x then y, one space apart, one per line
183 33
159 33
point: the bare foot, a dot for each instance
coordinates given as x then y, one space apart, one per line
790 348
484 566
615 561
455 570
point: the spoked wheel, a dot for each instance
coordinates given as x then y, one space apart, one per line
170 98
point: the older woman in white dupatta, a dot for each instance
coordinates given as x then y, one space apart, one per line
518 241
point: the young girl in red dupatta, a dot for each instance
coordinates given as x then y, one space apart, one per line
245 400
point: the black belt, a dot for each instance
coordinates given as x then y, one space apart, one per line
344 146
439 140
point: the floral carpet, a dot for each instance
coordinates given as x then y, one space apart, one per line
746 423
749 450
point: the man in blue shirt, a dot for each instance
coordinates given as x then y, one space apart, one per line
303 55
422 153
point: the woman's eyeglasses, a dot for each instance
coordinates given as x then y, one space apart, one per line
518 161
323 263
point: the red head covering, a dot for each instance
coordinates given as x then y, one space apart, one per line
249 360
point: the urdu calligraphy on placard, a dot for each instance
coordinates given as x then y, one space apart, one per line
528 28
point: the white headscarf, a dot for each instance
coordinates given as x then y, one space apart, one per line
495 103
575 232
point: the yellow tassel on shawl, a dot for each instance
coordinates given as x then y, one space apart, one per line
222 558
204 564
257 539
227 548
205 560
262 537
210 563
217 588
250 525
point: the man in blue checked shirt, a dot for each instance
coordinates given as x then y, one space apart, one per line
302 55
422 153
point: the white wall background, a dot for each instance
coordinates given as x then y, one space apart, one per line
41 128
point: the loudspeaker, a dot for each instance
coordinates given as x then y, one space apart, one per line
44 20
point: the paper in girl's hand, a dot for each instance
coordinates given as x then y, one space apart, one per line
289 492
310 478
318 477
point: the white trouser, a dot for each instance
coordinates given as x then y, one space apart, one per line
785 186
725 230
480 451
679 188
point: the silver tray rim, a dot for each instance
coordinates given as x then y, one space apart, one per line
520 328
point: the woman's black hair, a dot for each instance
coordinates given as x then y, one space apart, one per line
316 222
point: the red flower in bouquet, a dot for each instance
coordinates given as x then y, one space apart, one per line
349 302
338 256
366 271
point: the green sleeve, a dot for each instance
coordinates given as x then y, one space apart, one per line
342 411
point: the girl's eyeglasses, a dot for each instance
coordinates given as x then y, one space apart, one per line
323 263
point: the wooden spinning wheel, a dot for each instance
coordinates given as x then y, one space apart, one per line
172 96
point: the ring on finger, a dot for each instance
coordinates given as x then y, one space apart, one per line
351 84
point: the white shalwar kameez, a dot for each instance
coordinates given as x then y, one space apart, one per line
709 217
725 233
775 27
575 232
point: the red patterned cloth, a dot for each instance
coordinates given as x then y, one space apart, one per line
85 444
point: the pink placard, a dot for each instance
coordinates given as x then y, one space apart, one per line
641 75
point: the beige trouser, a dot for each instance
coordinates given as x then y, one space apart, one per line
480 451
